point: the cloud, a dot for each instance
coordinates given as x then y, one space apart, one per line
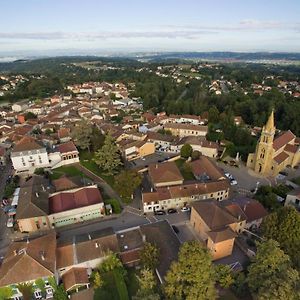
171 34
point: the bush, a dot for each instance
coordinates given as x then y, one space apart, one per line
115 204
195 155
39 171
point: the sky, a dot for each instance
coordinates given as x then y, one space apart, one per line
90 26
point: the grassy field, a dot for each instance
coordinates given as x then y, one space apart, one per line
184 170
66 170
86 159
114 287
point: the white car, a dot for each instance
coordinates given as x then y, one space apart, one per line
185 208
233 182
10 222
228 175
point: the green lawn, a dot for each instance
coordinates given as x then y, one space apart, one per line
114 287
66 170
132 282
86 159
184 170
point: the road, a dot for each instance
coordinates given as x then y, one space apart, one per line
130 217
4 231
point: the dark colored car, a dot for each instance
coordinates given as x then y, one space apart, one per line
159 212
172 211
176 230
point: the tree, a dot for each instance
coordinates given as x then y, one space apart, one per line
186 151
270 275
267 198
108 157
97 139
60 293
149 256
195 155
126 183
97 280
284 227
30 115
110 263
6 293
224 276
192 276
82 134
26 290
40 283
213 114
147 286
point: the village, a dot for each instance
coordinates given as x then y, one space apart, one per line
64 213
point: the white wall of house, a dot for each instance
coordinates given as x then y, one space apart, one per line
30 160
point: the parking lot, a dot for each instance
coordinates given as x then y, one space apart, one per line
150 159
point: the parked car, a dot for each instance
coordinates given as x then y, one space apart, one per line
176 230
10 222
185 208
172 211
233 182
159 212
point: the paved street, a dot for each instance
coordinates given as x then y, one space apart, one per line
4 231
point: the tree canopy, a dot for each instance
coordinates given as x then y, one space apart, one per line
108 157
271 276
191 277
186 151
284 226
149 256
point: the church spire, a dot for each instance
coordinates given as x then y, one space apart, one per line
270 124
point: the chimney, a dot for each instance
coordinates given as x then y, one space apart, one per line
144 238
89 236
151 189
37 194
15 252
156 166
96 245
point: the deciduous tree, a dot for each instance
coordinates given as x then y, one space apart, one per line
126 183
82 134
192 277
149 256
270 274
186 151
108 157
284 227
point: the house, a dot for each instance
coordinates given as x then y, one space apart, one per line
131 243
207 148
293 198
64 154
27 261
75 279
32 205
164 174
162 142
75 205
64 134
182 195
253 210
136 149
161 234
85 250
28 154
20 106
274 154
205 170
182 130
216 227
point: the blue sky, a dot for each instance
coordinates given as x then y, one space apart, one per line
131 25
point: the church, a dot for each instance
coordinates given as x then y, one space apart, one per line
274 154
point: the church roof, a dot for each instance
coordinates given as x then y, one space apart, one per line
270 124
283 140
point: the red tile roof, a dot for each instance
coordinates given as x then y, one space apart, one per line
281 157
283 140
63 201
164 173
291 148
67 147
27 143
